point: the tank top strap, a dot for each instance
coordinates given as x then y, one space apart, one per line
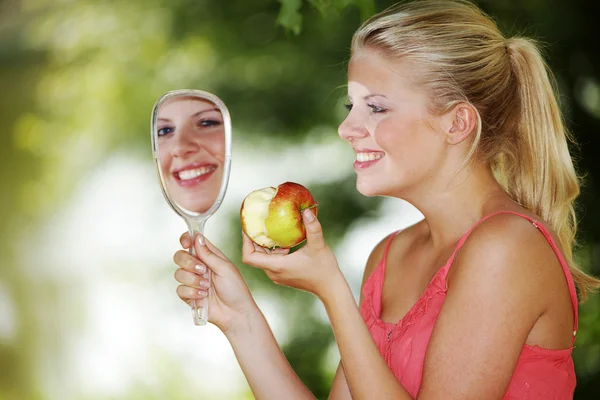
377 277
540 226
386 251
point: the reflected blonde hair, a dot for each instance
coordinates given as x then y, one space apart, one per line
461 56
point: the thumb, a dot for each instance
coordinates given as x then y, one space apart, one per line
214 249
210 256
314 232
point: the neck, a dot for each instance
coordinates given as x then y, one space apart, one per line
452 207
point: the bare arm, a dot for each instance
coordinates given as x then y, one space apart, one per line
340 389
265 367
366 372
234 311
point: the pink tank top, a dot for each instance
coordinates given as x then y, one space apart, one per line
540 373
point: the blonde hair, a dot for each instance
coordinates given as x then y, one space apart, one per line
461 56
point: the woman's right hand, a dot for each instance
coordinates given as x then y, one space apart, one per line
230 301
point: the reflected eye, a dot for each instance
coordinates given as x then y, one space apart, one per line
376 109
348 106
207 123
165 131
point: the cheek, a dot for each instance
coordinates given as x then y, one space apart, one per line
215 145
391 135
409 148
163 156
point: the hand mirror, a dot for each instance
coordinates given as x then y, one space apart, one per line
191 145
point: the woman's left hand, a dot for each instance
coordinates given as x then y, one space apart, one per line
313 268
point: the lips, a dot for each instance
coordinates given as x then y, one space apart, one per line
194 173
366 158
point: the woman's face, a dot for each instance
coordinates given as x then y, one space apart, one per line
191 148
390 128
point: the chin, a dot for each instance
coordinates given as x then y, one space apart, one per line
374 187
196 208
368 189
196 205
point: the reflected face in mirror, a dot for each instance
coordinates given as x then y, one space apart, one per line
191 151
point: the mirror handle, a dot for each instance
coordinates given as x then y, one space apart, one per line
200 314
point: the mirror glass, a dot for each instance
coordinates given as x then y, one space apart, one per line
191 143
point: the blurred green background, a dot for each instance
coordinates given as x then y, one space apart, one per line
87 298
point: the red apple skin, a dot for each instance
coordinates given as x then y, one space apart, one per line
284 223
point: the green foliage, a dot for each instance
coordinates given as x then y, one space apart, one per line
290 15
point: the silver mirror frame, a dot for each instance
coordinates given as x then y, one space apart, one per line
195 221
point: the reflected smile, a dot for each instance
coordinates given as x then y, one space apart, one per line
194 173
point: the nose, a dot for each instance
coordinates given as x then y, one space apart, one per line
185 143
351 128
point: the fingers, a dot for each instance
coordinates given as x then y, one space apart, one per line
191 279
184 239
248 246
314 232
257 256
280 251
189 262
207 256
187 294
194 269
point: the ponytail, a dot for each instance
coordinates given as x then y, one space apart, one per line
538 171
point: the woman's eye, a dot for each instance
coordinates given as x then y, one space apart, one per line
208 123
376 109
348 106
165 131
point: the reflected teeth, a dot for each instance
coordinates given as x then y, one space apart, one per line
194 173
363 157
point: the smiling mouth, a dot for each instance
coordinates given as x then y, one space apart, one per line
366 159
368 156
193 173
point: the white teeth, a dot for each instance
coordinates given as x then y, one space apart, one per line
363 157
194 173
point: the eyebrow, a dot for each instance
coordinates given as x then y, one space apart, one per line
374 95
193 115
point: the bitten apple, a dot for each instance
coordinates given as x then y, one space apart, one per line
272 217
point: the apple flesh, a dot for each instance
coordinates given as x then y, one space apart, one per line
272 217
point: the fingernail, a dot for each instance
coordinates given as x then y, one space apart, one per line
200 268
200 240
205 284
202 292
308 216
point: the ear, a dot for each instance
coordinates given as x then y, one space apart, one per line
459 122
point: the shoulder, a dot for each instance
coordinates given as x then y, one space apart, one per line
507 235
509 251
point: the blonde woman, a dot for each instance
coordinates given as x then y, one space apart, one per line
477 301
